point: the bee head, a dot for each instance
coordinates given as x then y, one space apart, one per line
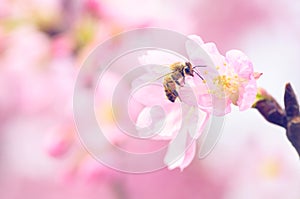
188 69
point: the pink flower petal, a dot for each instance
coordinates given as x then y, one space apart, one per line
188 156
240 62
247 95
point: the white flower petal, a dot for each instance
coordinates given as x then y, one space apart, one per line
176 150
153 121
195 52
210 136
150 121
188 96
197 122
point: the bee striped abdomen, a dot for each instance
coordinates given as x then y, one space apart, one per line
170 89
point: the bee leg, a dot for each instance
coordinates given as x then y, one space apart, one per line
177 95
177 82
179 98
180 82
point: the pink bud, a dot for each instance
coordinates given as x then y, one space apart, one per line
257 75
58 142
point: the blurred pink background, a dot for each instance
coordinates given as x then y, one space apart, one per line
43 44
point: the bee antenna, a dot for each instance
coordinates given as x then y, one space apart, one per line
199 75
198 66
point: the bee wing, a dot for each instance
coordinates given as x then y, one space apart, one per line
151 74
156 65
144 89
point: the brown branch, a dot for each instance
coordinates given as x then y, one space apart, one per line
293 132
288 118
290 102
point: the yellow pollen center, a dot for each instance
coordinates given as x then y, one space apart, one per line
228 85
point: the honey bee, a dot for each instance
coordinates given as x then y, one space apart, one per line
179 70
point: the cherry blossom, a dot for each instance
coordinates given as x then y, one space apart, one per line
233 78
183 122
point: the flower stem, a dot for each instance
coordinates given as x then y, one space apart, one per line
270 109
